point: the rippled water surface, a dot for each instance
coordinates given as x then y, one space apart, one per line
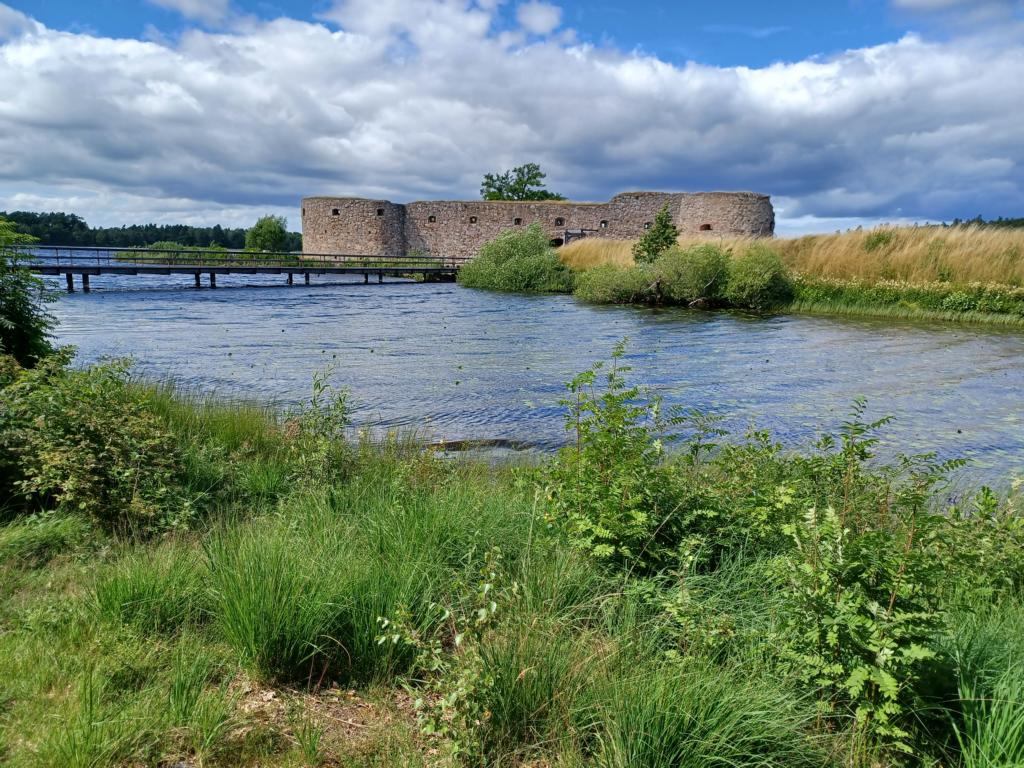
468 364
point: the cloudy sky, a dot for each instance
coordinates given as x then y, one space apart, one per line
216 111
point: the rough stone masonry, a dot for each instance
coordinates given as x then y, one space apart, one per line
457 230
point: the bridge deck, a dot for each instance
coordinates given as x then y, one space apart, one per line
70 261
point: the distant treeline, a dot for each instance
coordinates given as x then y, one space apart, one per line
980 222
69 229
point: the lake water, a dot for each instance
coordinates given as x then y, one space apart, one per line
464 364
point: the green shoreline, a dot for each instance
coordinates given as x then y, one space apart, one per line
834 309
186 579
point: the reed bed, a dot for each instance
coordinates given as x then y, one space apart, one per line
967 254
960 255
591 252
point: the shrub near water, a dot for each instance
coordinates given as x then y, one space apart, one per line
611 284
758 280
86 442
518 261
695 274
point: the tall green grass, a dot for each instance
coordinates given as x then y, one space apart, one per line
298 594
37 539
986 645
701 715
159 589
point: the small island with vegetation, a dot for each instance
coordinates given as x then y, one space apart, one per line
967 272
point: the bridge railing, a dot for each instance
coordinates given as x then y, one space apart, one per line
85 257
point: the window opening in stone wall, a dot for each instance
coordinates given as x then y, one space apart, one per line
335 211
472 219
647 225
303 211
559 222
432 219
604 224
556 242
705 227
380 211
517 221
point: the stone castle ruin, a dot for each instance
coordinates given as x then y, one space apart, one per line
457 230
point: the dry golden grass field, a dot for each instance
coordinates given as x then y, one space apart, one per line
965 254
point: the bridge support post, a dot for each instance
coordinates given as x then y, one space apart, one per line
366 278
307 278
197 280
291 279
380 277
213 279
85 283
71 282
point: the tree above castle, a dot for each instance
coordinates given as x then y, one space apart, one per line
524 182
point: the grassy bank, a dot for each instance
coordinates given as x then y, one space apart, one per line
186 579
964 274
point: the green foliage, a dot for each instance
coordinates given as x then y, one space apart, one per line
518 260
269 233
766 607
609 490
317 432
611 284
661 236
86 442
24 322
758 280
866 585
697 274
890 297
524 182
453 677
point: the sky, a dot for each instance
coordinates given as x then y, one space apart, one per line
848 112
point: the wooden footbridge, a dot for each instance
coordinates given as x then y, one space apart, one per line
86 262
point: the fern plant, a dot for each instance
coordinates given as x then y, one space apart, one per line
610 491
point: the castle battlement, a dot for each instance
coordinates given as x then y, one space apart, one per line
457 229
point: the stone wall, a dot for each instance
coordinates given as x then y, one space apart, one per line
353 226
457 230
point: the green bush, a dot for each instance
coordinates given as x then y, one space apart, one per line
891 297
518 260
86 442
24 323
758 280
269 233
695 274
661 236
611 284
610 490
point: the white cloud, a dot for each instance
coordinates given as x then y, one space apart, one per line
14 24
414 99
985 11
539 18
208 11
